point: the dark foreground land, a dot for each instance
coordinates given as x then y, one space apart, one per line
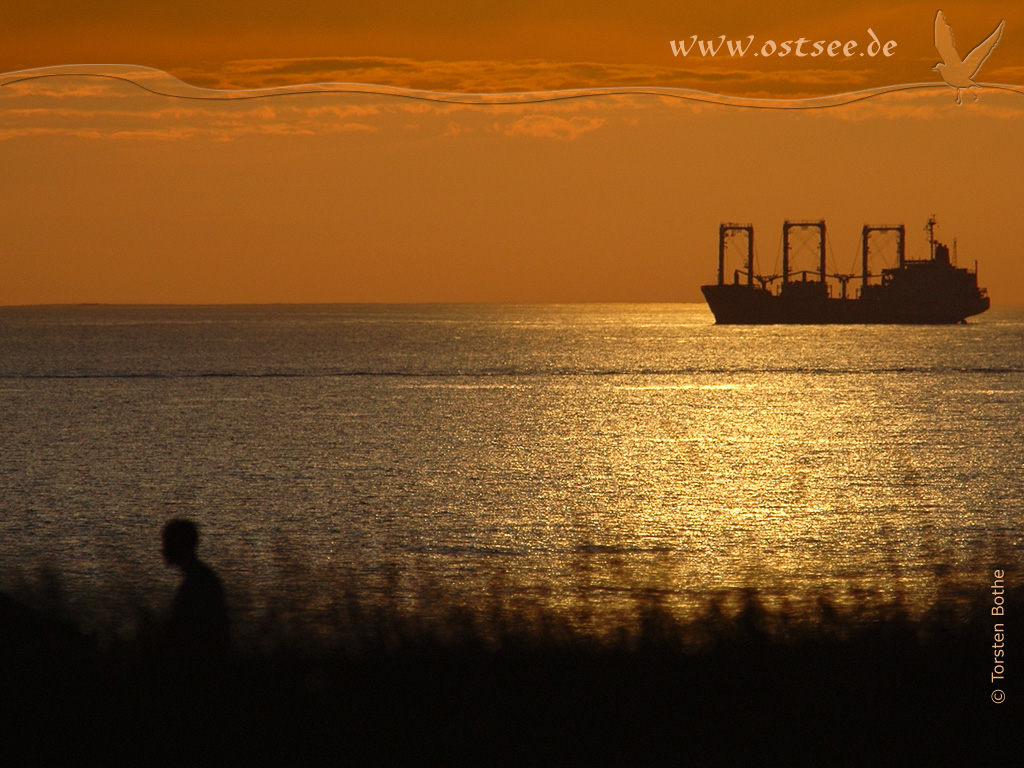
748 689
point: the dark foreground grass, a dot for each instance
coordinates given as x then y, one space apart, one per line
750 688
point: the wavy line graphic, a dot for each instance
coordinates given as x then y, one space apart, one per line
163 84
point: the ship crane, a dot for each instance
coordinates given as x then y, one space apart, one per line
901 237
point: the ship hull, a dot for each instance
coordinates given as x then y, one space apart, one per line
749 305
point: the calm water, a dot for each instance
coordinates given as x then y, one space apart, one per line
580 458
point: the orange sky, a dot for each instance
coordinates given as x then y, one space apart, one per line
194 37
111 194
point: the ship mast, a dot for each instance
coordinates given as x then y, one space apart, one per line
931 236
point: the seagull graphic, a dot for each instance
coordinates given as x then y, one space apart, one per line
955 72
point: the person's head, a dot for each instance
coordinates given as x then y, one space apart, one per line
180 538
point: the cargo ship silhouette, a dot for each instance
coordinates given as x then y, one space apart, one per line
925 291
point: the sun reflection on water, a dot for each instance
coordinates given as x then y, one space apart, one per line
540 461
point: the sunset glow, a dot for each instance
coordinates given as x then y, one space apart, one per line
114 194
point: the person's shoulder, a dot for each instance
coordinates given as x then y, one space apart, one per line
200 573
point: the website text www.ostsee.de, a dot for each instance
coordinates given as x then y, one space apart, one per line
799 48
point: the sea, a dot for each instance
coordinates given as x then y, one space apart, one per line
582 463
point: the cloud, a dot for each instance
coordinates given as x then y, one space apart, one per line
100 110
553 127
45 110
62 89
930 104
521 76
216 121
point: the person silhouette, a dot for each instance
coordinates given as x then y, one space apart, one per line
190 676
198 622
